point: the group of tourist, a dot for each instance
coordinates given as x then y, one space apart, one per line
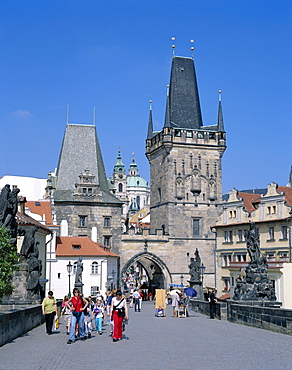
79 312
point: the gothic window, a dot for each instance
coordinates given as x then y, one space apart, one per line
120 187
94 267
196 227
82 221
200 135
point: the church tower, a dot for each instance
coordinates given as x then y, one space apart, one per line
186 172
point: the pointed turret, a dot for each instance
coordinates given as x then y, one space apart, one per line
183 101
150 123
220 115
119 166
80 151
133 170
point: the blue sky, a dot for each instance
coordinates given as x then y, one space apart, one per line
114 55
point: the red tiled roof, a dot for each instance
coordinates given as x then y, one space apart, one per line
65 245
23 219
249 200
42 207
288 193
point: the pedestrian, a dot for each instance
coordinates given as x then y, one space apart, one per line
136 298
119 311
108 303
140 299
77 304
88 317
49 309
212 302
66 312
174 303
98 312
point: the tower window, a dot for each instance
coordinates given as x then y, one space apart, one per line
189 134
107 222
212 135
106 241
200 135
82 221
120 187
196 227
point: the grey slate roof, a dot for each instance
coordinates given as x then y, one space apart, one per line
183 106
80 151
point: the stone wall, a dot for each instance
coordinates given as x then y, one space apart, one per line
269 318
275 319
204 308
16 322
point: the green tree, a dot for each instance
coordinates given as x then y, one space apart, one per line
8 262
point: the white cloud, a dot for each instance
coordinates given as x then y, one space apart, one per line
21 113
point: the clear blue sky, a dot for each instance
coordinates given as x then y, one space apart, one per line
115 54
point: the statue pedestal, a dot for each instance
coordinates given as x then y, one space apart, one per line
79 286
20 295
197 285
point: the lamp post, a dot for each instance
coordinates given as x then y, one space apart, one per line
202 268
182 280
69 270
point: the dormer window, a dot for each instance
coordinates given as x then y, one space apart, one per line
75 246
177 133
200 135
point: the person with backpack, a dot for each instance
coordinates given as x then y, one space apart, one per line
77 307
119 311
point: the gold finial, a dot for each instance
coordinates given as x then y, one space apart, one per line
192 47
173 46
219 91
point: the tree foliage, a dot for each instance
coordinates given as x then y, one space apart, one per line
8 262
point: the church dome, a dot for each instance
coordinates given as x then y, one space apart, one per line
137 181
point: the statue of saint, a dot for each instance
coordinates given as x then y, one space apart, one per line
34 269
79 270
194 267
28 242
253 243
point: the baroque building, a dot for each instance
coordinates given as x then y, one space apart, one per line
186 186
270 210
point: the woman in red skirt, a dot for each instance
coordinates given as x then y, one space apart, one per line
119 311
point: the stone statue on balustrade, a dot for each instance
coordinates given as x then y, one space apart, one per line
78 276
255 284
194 267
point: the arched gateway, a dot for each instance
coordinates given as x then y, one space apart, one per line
158 274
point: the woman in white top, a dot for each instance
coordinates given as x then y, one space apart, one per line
119 310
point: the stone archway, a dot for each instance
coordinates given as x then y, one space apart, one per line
159 276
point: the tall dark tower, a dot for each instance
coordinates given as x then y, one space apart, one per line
186 173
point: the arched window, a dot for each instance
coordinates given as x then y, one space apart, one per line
94 267
120 187
138 200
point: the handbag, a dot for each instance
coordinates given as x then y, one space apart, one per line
121 310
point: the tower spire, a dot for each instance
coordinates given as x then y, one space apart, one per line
150 123
290 177
220 122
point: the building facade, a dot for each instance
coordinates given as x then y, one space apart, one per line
270 210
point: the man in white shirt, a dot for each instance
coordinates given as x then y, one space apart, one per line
175 301
136 297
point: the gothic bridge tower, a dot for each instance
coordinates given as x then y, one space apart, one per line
186 175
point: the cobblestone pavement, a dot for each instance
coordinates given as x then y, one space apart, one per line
154 343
